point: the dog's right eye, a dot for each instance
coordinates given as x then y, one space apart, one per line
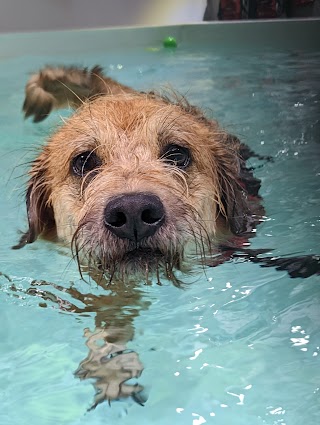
85 162
177 155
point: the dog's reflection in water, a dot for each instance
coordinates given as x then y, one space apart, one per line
108 362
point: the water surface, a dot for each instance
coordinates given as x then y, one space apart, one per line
239 346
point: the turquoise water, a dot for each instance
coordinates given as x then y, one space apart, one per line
242 344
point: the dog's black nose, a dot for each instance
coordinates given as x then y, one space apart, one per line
134 216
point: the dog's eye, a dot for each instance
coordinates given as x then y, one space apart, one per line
179 156
85 162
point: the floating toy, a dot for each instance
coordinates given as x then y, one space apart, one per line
169 42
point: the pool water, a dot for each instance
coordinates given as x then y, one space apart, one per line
241 345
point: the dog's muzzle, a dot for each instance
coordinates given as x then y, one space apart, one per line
134 216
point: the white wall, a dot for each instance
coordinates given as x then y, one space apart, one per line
34 15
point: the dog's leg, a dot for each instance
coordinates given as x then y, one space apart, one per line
303 266
58 87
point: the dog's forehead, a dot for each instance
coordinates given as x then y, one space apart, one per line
137 112
120 128
112 119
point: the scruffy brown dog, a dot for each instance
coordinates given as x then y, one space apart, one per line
138 185
132 181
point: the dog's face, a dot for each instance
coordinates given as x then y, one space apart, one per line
133 181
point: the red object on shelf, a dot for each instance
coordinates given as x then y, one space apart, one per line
230 9
266 9
303 2
257 9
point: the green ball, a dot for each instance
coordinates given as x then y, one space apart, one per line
170 42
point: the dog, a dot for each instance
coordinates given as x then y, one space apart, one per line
133 180
138 185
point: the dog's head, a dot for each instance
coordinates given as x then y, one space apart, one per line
133 181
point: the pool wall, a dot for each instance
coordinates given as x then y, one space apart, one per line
301 34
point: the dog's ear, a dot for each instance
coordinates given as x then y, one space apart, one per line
230 168
234 206
39 210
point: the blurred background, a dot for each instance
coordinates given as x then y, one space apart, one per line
35 15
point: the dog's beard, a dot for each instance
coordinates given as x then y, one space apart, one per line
155 258
123 260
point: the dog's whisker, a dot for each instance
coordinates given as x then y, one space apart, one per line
81 101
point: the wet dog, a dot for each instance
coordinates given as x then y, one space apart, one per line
137 184
132 181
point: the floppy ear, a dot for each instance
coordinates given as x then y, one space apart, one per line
230 168
233 191
40 212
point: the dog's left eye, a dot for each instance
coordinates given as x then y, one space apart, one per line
85 162
176 155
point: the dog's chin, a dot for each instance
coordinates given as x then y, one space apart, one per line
140 264
143 256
